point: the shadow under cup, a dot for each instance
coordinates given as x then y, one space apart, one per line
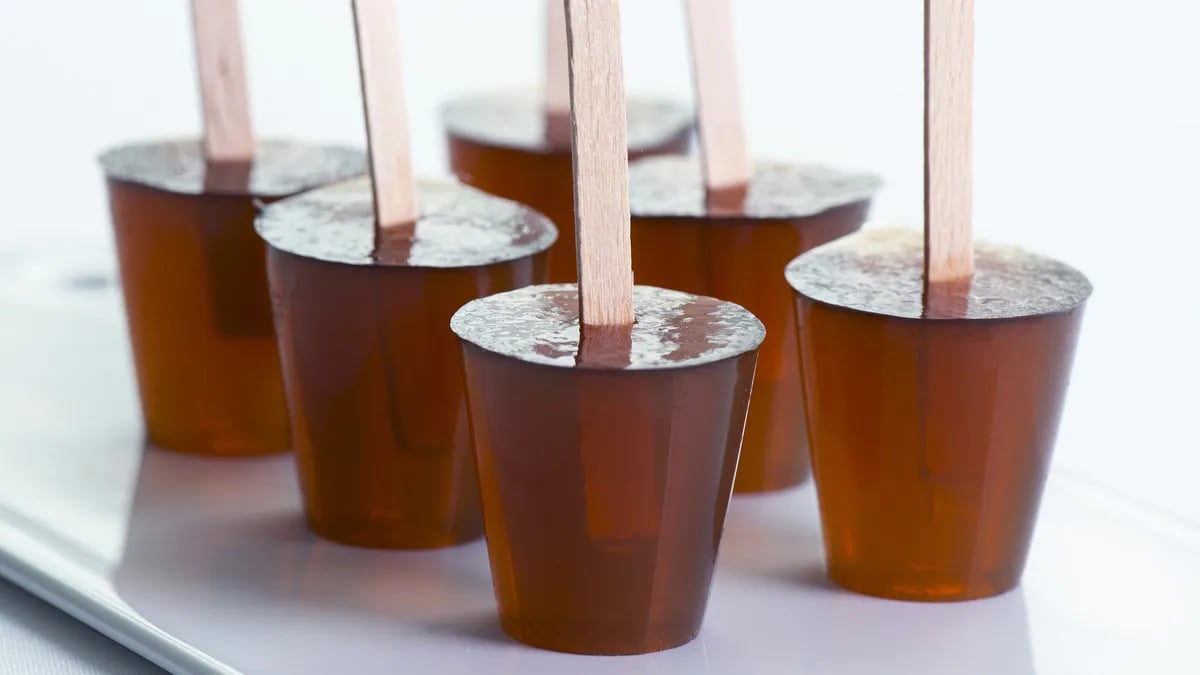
604 488
932 429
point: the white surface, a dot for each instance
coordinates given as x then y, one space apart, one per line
200 562
1087 139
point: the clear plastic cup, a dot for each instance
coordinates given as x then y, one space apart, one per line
195 284
932 418
605 464
373 374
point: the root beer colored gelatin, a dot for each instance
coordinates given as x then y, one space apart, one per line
734 248
503 144
195 284
932 419
373 373
605 464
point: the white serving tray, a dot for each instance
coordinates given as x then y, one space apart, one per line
204 566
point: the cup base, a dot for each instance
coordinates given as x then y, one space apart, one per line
916 587
765 484
389 533
594 639
228 446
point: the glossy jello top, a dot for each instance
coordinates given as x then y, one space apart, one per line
516 120
459 227
882 272
673 186
540 324
280 168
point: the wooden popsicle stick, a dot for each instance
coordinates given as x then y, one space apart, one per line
221 70
557 87
949 75
389 147
714 71
599 155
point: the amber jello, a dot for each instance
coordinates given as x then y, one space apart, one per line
734 246
932 415
605 464
503 144
195 284
374 376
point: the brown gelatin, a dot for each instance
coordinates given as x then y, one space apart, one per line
500 143
735 250
373 374
195 284
932 431
605 464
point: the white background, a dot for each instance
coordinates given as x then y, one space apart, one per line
1088 130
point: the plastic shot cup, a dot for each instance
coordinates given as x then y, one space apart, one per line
374 376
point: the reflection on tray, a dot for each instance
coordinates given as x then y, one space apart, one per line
223 534
216 546
771 555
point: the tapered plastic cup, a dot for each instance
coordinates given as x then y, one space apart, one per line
374 375
733 248
501 143
932 419
605 467
195 284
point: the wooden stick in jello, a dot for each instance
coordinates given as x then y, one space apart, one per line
949 78
600 164
606 445
396 209
229 150
617 491
949 249
228 134
726 164
393 185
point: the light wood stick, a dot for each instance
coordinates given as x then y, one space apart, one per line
388 143
599 154
949 75
221 70
714 71
557 87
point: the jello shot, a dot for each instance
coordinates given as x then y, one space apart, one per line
935 370
932 429
193 271
605 467
517 144
607 417
374 376
195 283
735 251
